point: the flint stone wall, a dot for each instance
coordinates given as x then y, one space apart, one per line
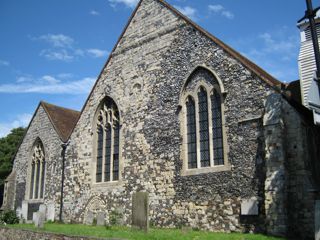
145 80
42 128
145 76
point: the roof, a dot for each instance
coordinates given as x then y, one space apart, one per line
62 119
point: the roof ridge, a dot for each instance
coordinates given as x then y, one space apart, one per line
54 105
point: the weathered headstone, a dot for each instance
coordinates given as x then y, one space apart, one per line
34 217
101 218
317 220
50 211
140 211
249 207
18 212
43 209
89 218
24 210
39 219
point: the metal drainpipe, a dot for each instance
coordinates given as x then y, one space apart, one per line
63 155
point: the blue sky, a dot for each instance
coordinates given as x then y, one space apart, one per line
54 50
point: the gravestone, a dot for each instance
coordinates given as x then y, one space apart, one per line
39 219
140 211
249 207
317 220
18 213
43 209
50 211
24 210
34 217
101 219
89 218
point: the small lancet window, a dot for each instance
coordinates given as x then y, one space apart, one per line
204 128
191 133
108 131
217 129
38 166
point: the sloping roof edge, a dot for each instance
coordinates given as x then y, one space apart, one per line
107 62
276 84
25 133
62 136
245 61
41 103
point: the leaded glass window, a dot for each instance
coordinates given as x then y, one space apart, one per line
204 128
107 161
108 133
116 153
191 133
99 154
217 136
37 178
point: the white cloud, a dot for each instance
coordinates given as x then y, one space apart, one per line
50 79
22 120
94 13
61 54
58 40
187 11
62 48
275 51
97 53
282 45
50 85
216 8
24 78
4 63
219 9
128 3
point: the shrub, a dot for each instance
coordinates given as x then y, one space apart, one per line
9 217
115 217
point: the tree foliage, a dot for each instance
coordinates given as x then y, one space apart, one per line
8 147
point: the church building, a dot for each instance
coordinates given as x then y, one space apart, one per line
216 142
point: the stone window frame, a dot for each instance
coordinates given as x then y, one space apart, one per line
185 171
43 173
111 183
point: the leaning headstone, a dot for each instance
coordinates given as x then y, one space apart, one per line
24 210
50 212
101 219
140 211
317 220
89 218
43 209
39 219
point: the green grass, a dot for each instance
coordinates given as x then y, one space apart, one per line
128 233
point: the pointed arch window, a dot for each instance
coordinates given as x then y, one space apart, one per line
202 125
191 133
38 166
108 134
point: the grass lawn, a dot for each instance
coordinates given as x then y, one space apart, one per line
128 233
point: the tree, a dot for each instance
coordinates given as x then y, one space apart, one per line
8 147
